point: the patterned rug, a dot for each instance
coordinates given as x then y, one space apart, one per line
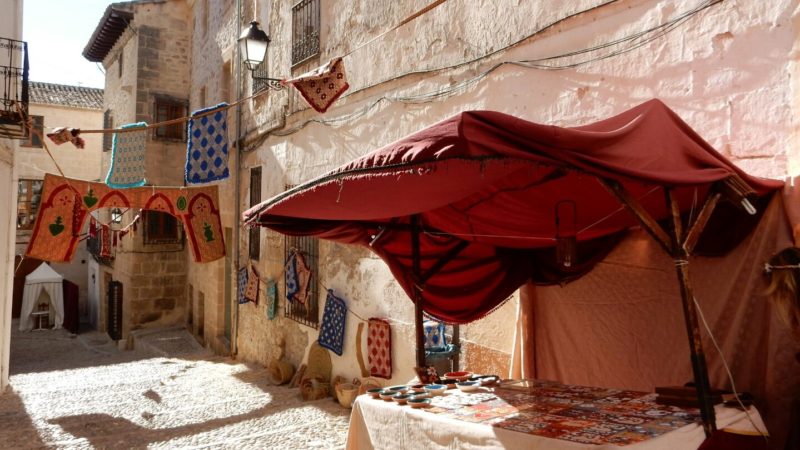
581 414
331 332
323 85
207 150
379 348
128 158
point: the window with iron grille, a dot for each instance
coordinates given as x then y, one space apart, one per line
33 139
255 198
108 123
29 195
308 313
160 228
169 109
305 30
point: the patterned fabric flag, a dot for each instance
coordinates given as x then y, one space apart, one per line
435 338
272 299
251 290
241 284
298 278
323 85
105 241
207 150
331 332
61 135
379 348
128 158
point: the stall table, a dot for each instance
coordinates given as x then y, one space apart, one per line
542 415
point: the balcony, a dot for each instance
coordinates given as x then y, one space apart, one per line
14 90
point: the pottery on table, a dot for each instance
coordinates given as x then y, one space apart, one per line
435 389
401 399
375 392
468 386
387 394
460 376
398 389
419 402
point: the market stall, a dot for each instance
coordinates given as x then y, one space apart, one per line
470 209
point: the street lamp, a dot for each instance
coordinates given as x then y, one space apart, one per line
253 43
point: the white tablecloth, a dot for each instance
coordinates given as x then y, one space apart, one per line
376 424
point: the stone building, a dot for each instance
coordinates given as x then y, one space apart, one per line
10 130
144 48
54 105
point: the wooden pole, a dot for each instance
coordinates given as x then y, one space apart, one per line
417 269
699 368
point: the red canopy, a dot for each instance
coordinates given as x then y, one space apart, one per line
494 187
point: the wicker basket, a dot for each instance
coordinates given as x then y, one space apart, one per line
280 372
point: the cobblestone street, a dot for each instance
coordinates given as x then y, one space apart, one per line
81 392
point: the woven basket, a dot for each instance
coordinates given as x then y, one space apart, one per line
280 372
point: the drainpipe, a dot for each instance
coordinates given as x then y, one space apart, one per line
236 176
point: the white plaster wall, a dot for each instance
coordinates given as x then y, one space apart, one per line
727 71
10 27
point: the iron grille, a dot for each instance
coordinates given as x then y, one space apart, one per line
14 90
115 310
305 30
255 198
108 123
260 75
308 313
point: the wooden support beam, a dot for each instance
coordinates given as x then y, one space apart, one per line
699 368
441 262
645 219
417 274
693 235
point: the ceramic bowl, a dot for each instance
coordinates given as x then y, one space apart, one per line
387 395
417 388
468 386
424 394
375 393
449 382
419 402
401 399
435 389
489 380
460 376
398 389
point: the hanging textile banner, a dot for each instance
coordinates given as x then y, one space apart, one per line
207 149
62 135
272 299
241 280
379 348
128 158
251 289
323 85
66 202
331 332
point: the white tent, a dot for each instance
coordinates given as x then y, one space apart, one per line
44 278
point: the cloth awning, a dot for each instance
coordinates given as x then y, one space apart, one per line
43 279
501 189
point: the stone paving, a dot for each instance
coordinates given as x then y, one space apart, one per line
82 392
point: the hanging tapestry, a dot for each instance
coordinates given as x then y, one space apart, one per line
61 135
435 338
379 348
290 276
272 299
128 157
207 150
251 290
322 86
56 231
298 277
331 332
105 241
241 279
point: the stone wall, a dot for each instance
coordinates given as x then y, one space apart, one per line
726 70
155 64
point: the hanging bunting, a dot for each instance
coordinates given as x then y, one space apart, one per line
272 299
379 348
331 332
323 85
298 277
207 149
56 233
241 284
105 241
62 135
128 158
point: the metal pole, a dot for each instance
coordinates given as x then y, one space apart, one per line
416 267
237 189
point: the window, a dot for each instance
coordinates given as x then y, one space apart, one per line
160 228
33 139
29 195
305 30
255 198
108 123
308 313
169 109
119 63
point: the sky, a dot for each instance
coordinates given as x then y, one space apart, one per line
56 32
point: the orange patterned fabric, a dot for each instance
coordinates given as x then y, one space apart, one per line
67 202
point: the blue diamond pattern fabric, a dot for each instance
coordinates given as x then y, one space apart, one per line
331 333
242 284
207 149
128 151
